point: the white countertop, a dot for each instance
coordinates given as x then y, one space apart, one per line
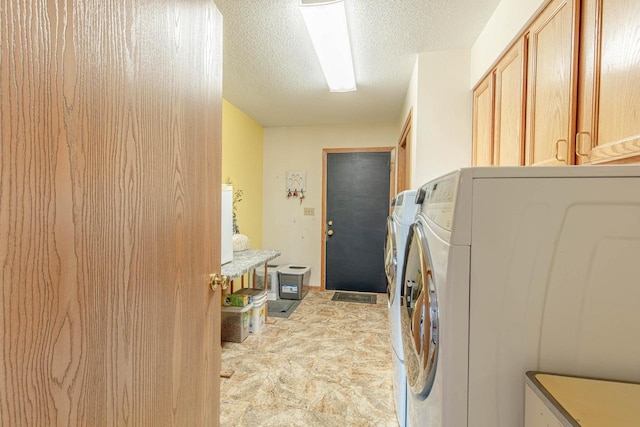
245 261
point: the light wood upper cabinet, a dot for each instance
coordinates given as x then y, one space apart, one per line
483 122
580 63
552 84
508 141
608 127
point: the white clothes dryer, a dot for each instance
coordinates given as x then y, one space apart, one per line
517 269
398 224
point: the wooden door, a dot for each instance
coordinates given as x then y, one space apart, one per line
109 212
552 84
608 126
508 140
404 154
356 209
483 122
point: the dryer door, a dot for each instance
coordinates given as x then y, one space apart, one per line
390 258
419 314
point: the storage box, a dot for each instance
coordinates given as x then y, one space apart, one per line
294 281
237 300
273 290
251 294
258 315
235 323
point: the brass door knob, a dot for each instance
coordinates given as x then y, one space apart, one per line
216 281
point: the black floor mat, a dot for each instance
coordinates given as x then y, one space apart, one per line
281 308
354 297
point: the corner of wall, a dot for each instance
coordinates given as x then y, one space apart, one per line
507 21
442 119
411 102
242 162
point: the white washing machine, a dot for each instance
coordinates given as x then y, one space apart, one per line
517 269
398 224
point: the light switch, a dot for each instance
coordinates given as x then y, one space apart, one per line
309 211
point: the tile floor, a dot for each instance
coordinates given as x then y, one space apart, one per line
328 364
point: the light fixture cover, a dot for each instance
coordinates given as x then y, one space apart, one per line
327 25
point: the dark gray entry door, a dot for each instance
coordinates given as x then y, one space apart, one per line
356 211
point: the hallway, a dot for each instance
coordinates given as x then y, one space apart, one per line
328 364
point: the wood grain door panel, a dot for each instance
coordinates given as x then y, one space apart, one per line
110 123
404 155
483 105
552 85
608 125
508 142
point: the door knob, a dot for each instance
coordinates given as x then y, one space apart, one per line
216 281
330 232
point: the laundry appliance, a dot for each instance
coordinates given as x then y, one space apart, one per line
398 224
517 269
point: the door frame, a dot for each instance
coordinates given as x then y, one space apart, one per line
323 228
404 154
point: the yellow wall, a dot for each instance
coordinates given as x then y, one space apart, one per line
242 159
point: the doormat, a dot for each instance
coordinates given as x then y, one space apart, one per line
282 308
354 297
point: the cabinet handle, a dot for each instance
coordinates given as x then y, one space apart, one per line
216 280
578 145
557 144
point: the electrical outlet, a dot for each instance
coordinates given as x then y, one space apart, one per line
309 211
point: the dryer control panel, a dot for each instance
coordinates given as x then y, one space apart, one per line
440 199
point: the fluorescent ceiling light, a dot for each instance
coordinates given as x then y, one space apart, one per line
327 25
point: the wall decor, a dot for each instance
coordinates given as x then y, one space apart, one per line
296 184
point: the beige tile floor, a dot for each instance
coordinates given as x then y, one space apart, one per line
328 364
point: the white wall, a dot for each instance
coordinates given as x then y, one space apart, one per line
509 18
442 106
411 101
440 93
285 228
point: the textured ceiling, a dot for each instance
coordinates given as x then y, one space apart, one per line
271 72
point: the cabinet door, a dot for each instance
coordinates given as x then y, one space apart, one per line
552 85
508 138
609 111
483 123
